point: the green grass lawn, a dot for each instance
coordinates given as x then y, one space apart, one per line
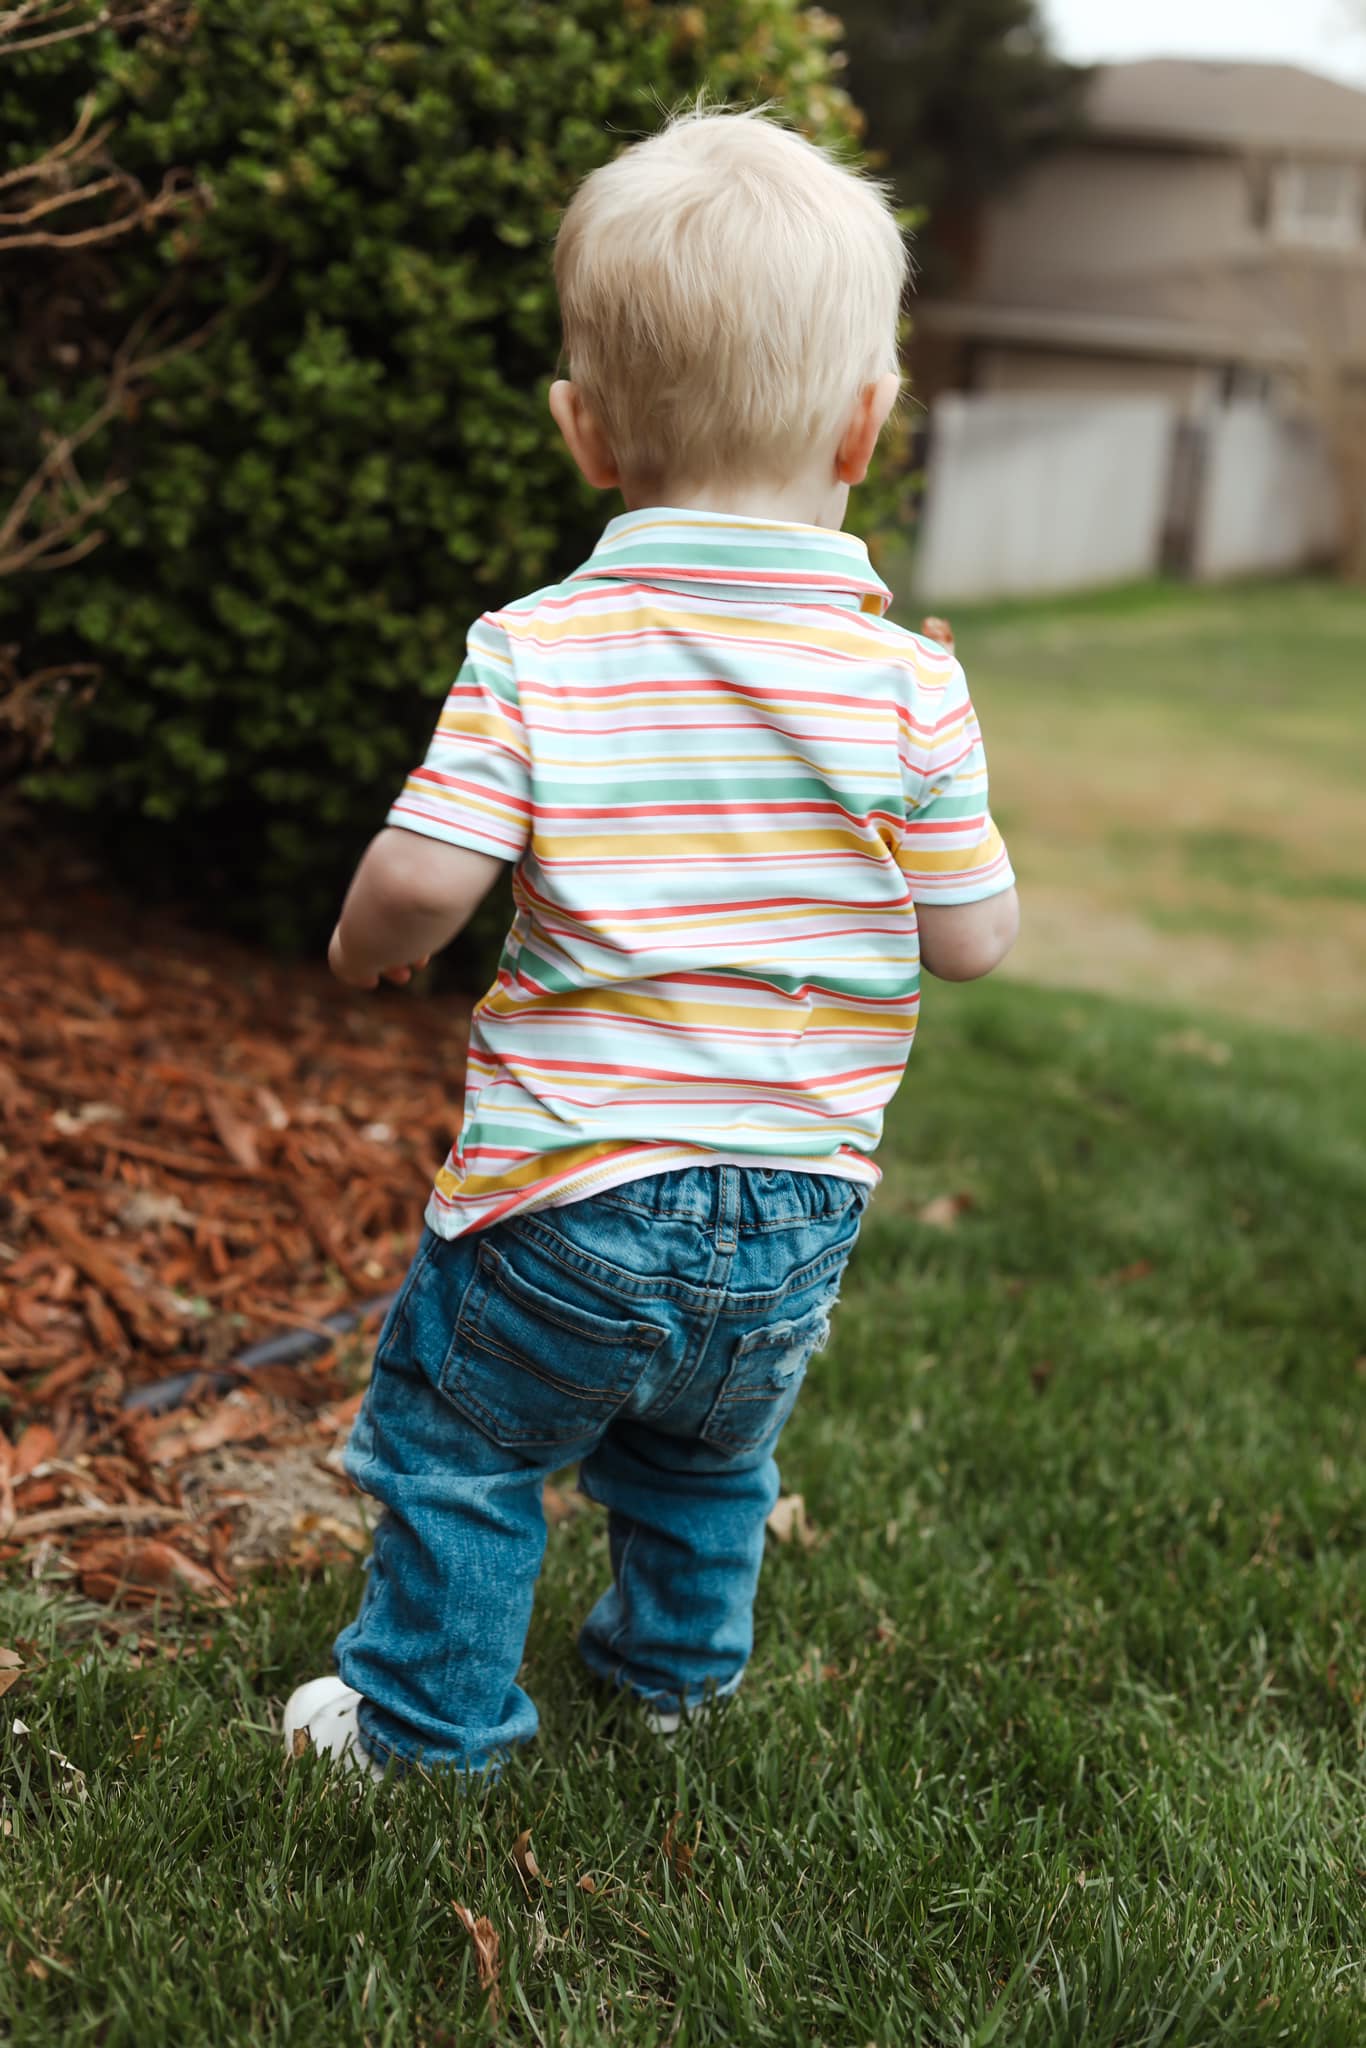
1180 774
1055 1736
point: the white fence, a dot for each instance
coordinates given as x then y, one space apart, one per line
1030 494
1268 503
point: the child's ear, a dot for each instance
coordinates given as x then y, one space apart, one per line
866 422
583 436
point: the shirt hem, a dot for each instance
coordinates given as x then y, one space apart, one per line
598 1177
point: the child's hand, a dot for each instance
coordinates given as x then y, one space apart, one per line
356 975
409 897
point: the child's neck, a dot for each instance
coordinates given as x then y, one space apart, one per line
804 502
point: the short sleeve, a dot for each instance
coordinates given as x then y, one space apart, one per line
950 851
474 788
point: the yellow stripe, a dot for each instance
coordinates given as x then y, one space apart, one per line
462 800
465 724
548 1165
759 1018
669 844
955 860
715 626
483 651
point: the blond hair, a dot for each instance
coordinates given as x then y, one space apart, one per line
727 290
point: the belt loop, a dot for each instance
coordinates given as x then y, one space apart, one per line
728 1209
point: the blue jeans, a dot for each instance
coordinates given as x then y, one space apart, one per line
658 1335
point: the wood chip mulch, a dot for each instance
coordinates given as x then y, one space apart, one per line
200 1147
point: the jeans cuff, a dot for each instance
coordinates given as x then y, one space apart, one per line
661 1699
419 1760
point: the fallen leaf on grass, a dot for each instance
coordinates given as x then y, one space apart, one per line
1041 1373
523 1859
1194 1045
11 1667
487 1950
679 1855
587 1883
72 1780
1139 1269
137 1573
788 1524
944 1211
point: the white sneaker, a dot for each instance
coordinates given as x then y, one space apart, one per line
324 1713
667 1721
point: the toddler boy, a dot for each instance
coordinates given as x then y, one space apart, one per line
742 809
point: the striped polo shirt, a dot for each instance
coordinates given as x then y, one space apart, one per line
725 780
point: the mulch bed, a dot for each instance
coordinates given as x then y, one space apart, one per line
199 1147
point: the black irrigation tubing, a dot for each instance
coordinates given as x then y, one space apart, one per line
286 1348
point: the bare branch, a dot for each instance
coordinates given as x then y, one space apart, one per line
133 364
82 548
156 13
173 197
50 523
69 151
46 550
27 10
114 182
39 11
29 705
60 35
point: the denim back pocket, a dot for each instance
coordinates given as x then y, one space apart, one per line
766 1372
534 1371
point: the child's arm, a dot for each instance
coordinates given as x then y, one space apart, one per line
460 817
962 941
409 897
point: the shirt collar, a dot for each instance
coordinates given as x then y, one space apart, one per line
732 556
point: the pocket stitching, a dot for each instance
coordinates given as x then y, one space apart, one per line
494 1274
521 1291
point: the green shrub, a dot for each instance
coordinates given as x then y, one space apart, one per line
356 460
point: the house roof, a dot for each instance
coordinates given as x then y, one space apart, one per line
1254 310
1228 105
